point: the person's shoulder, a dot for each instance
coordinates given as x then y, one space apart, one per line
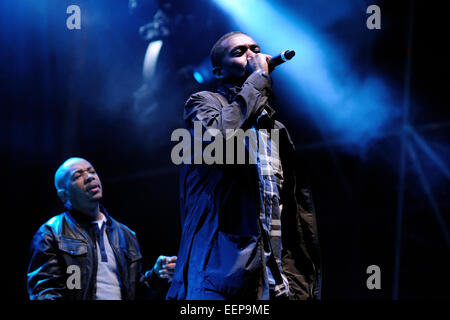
51 227
284 132
123 227
279 125
127 234
201 96
203 93
54 223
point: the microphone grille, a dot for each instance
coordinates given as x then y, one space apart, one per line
288 54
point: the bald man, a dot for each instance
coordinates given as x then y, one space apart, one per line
83 253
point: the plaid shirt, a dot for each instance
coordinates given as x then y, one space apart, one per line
270 174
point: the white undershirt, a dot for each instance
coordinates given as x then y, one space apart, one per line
108 283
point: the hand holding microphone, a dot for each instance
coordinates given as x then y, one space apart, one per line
257 62
268 63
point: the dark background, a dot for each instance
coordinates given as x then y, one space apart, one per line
70 93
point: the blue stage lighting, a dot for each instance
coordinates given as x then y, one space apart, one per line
203 72
198 77
344 104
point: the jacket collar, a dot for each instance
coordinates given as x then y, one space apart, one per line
231 91
81 219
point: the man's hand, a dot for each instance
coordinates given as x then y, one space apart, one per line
165 267
258 61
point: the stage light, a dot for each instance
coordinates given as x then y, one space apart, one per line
202 72
198 77
151 58
344 104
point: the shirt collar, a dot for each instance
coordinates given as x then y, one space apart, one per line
100 222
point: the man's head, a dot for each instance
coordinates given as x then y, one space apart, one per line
76 181
229 56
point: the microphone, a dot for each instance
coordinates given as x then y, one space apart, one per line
281 58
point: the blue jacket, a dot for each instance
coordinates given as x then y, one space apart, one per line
221 248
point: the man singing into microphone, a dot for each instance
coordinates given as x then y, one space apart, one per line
249 230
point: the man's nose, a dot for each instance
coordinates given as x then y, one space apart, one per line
250 53
89 177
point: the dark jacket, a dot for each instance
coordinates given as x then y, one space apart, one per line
68 239
220 209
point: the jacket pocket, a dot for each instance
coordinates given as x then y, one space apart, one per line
73 247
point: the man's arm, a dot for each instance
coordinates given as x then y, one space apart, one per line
244 108
45 279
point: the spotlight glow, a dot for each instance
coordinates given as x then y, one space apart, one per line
198 77
343 104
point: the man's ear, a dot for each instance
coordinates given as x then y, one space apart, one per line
218 72
62 194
